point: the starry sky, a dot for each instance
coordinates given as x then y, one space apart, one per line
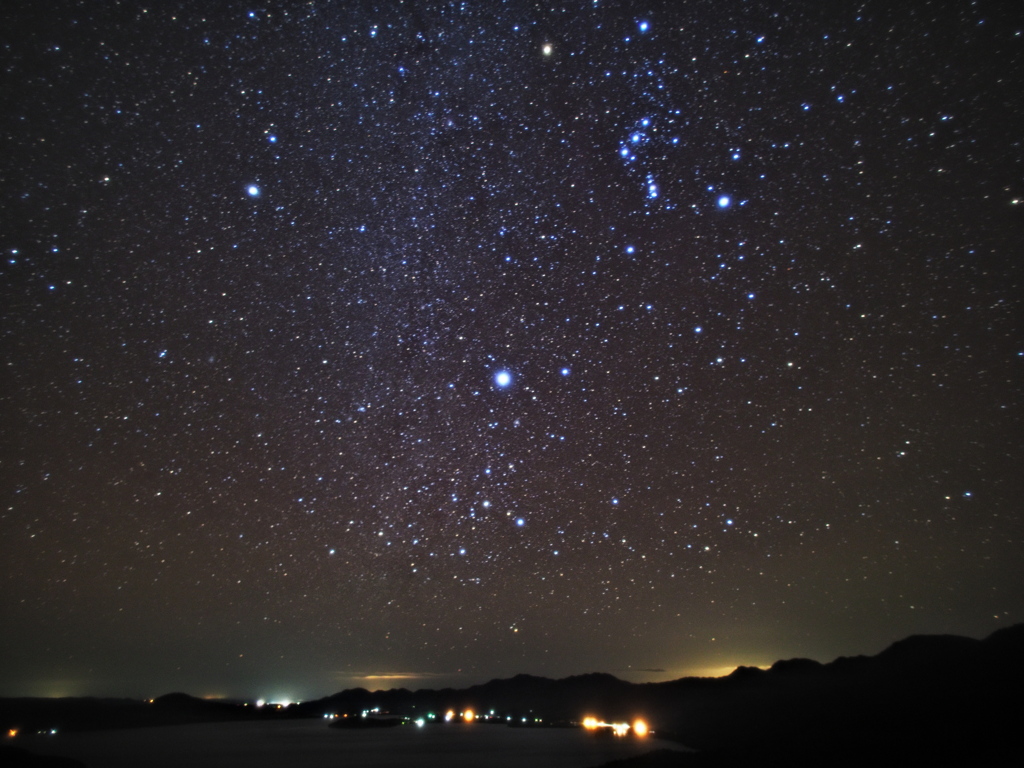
415 344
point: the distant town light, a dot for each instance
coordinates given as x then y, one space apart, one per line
639 727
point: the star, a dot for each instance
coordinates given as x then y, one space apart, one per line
459 198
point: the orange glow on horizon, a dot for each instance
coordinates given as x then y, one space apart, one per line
640 728
469 716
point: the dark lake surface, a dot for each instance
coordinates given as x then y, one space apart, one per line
311 744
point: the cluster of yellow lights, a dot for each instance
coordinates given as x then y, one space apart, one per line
469 715
639 727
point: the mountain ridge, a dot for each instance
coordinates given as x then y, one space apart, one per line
937 694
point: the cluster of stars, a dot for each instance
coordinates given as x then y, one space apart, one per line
353 336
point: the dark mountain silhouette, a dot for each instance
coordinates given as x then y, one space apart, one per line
81 714
520 696
929 697
941 697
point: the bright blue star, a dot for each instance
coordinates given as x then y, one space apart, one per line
503 378
253 190
565 371
520 522
643 26
724 201
652 188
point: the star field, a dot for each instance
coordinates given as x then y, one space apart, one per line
446 341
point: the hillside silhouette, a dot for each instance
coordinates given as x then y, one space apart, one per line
940 697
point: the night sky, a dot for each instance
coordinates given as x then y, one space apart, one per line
416 344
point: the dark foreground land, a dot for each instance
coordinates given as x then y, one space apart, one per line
926 699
